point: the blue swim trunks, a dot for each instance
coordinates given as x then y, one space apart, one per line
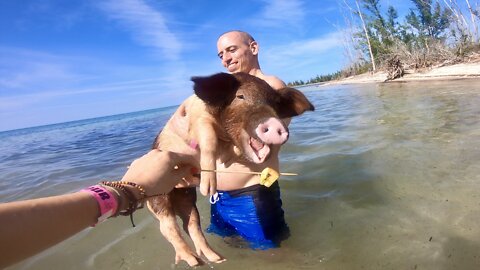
255 213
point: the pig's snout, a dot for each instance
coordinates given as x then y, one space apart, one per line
272 131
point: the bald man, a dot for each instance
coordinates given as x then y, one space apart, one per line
245 207
242 207
239 53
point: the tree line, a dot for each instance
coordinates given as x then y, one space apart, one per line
432 32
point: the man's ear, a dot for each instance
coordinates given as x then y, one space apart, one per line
292 102
254 47
216 90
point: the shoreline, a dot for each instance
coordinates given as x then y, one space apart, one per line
446 72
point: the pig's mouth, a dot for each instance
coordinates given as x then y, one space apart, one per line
259 151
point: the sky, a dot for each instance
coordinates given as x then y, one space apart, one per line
63 60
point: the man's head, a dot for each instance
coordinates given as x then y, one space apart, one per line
238 51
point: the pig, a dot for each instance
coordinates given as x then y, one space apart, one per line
230 116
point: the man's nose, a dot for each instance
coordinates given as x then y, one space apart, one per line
226 58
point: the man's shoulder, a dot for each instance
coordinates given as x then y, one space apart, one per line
274 82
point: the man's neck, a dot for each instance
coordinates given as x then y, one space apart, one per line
257 72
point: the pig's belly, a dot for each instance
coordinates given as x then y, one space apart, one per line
233 181
170 141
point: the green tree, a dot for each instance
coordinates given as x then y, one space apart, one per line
381 30
376 21
392 24
429 20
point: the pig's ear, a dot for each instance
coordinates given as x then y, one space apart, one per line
216 90
292 102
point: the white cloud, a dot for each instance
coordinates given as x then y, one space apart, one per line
33 79
283 9
306 48
135 87
146 24
302 59
22 69
32 73
278 13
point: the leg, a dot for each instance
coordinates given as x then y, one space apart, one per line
162 208
184 204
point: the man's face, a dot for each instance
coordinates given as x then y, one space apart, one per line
236 53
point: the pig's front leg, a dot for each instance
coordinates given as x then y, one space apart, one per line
207 141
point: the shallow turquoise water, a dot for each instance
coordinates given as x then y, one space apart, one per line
389 179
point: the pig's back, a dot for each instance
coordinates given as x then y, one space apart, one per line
177 135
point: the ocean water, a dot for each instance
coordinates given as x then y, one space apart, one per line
389 179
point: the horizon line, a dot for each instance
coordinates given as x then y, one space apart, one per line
2 132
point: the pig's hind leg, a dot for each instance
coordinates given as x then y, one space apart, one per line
162 208
184 203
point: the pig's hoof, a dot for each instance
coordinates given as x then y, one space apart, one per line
189 258
212 256
217 259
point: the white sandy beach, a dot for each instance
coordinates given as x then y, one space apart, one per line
450 72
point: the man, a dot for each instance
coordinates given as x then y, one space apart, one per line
243 206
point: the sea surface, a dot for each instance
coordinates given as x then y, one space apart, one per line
389 178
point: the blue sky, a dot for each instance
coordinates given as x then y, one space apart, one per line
63 60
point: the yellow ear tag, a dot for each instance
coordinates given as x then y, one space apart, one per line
268 177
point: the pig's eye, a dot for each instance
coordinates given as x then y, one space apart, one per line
241 97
